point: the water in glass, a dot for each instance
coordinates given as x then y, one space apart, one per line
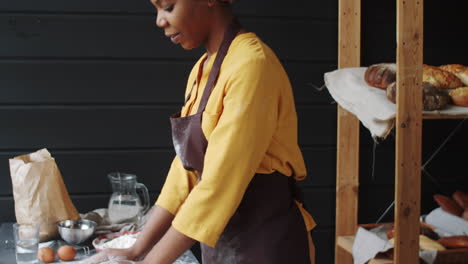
26 242
26 251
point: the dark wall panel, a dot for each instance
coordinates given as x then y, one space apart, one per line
321 169
259 8
85 172
315 125
85 36
7 209
307 82
95 81
85 127
440 18
324 240
144 126
87 6
109 81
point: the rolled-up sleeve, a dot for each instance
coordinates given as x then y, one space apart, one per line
236 147
177 187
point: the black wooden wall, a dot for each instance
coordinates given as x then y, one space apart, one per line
95 82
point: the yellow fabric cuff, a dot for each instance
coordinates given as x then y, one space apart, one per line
170 206
199 233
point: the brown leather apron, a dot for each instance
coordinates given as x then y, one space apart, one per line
187 135
267 227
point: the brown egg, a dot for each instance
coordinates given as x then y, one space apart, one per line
46 255
66 253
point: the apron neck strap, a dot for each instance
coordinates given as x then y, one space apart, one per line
229 36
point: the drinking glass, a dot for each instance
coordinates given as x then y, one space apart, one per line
27 242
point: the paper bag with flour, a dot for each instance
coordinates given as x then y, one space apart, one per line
39 192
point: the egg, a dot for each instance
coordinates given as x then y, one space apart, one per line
46 254
66 253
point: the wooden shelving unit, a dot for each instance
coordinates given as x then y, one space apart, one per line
444 116
408 125
408 133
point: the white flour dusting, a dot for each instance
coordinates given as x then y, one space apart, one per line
128 240
124 241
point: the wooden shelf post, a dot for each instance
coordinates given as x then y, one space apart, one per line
408 130
347 164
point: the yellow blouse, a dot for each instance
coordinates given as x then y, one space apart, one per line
251 126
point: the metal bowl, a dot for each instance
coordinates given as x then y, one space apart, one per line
76 231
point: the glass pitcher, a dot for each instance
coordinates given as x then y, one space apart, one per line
125 205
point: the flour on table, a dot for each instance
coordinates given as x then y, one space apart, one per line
124 241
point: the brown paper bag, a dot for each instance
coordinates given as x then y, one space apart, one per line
40 194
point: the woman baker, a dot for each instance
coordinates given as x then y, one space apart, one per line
231 185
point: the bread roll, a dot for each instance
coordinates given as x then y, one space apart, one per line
425 243
433 97
461 199
423 230
440 78
460 96
454 241
448 205
458 70
380 75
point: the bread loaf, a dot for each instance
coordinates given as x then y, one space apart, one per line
383 74
454 241
458 70
440 78
460 96
380 75
461 199
425 243
423 230
433 97
448 205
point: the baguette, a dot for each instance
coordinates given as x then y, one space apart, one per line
458 70
440 78
448 205
461 198
454 241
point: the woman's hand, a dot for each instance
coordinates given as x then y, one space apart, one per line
111 256
157 225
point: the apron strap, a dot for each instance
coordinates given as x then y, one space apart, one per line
190 93
229 36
